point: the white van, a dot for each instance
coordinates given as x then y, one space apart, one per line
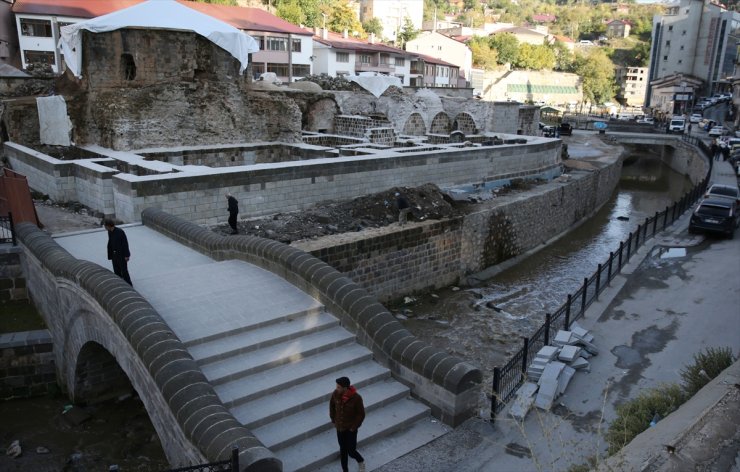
677 125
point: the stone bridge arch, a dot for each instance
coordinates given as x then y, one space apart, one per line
466 123
415 125
441 124
319 116
107 337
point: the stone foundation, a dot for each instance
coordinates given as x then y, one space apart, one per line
12 280
27 366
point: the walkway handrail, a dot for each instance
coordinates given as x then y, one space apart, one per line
507 379
194 403
449 385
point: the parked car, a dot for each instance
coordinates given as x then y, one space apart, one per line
647 120
677 125
696 117
724 191
716 215
717 131
565 129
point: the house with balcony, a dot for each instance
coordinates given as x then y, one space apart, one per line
429 71
444 48
285 49
340 54
633 84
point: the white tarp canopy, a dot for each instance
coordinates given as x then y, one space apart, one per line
375 83
158 14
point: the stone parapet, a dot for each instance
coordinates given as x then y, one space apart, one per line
449 385
82 303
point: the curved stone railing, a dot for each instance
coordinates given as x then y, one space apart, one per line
200 414
449 385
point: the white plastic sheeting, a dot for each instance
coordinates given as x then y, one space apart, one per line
375 84
158 14
54 124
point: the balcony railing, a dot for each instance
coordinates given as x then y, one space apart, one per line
374 65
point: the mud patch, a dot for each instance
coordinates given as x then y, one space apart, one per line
635 359
586 423
518 450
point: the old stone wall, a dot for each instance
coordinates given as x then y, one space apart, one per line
435 254
27 366
12 279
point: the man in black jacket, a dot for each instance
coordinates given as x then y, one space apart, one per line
233 211
118 251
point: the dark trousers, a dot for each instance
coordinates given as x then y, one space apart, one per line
232 220
348 447
120 268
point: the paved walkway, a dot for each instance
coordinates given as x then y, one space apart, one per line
648 325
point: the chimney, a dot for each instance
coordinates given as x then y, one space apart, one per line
345 33
372 38
324 33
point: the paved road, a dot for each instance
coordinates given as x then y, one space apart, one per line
647 325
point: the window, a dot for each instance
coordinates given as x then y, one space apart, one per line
399 61
301 70
39 57
667 43
684 33
40 28
276 44
261 41
342 57
670 28
665 58
680 61
281 70
364 58
384 58
296 47
128 67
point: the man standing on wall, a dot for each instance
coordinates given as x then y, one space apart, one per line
347 412
233 211
118 251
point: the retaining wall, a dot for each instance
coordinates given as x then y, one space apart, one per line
27 366
12 279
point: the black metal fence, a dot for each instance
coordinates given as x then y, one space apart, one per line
228 465
507 379
7 230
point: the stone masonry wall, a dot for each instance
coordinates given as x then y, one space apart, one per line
435 254
12 280
27 366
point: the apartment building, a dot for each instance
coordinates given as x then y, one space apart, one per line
392 14
432 72
285 49
340 54
632 83
444 48
694 47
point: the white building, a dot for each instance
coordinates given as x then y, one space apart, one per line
693 42
632 82
447 49
392 14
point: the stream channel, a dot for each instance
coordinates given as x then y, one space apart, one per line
483 324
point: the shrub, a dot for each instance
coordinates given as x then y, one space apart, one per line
634 416
707 365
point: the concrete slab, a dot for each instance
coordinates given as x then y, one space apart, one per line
547 352
565 376
569 353
562 338
523 401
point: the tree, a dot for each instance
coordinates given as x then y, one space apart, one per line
291 11
232 3
640 56
373 25
342 17
563 56
407 33
534 57
597 76
506 46
483 56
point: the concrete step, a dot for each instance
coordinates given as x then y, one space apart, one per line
247 324
313 420
383 450
288 401
241 365
238 342
322 448
244 389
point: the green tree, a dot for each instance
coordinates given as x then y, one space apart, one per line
407 33
373 25
291 11
597 76
506 46
232 3
483 56
534 57
640 55
343 17
563 56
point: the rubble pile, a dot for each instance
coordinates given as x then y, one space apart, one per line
333 83
552 370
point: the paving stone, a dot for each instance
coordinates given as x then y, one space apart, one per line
547 352
579 363
523 401
548 385
564 379
569 353
562 338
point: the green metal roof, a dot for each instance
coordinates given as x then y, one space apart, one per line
532 88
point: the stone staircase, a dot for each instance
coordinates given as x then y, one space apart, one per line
276 377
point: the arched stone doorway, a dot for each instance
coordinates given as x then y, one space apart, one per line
441 124
319 117
98 376
415 125
464 122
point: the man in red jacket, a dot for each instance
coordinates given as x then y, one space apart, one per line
347 413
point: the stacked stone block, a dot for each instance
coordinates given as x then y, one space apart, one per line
27 366
12 280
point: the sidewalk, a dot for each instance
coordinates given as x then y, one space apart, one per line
648 325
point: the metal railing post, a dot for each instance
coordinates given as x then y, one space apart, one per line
629 246
611 261
598 280
524 355
665 218
494 394
548 320
655 223
583 296
637 237
12 228
235 458
621 250
567 311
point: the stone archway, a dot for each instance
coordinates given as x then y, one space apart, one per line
319 116
464 122
97 375
441 124
415 125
